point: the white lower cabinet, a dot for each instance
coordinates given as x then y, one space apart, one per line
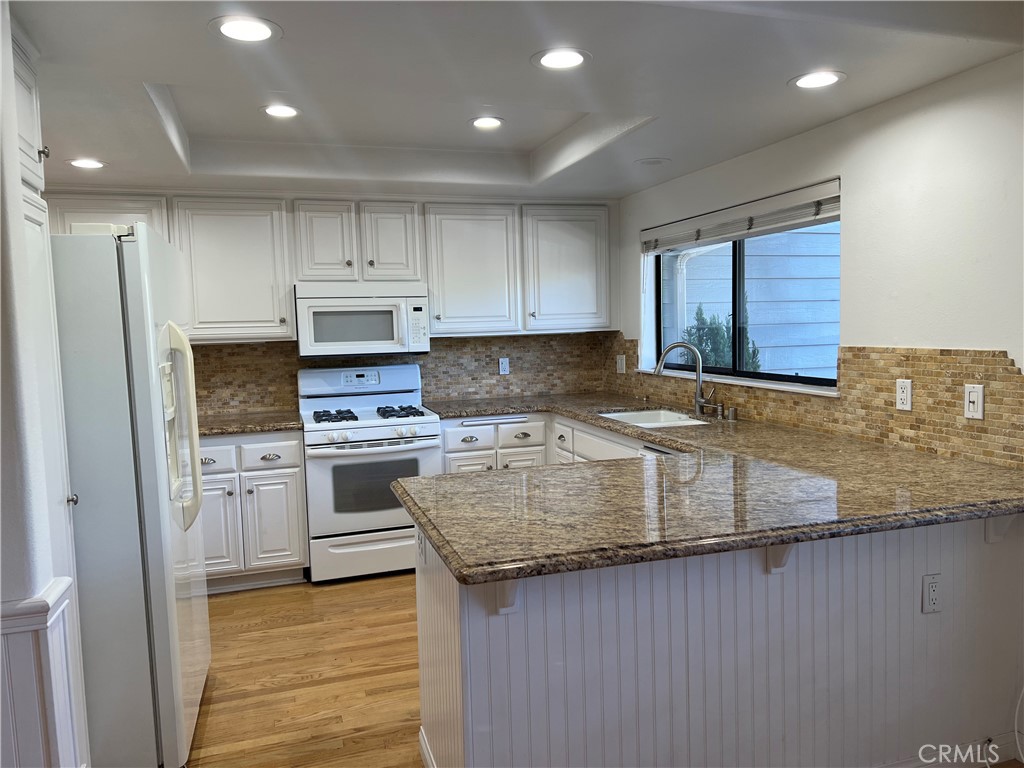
574 441
474 461
496 442
253 520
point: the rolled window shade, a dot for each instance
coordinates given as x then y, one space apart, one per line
817 204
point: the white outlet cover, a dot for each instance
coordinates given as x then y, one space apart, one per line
503 368
620 363
904 394
931 593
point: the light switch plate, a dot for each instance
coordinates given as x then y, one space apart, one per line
974 401
620 363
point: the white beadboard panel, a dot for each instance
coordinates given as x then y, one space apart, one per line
440 649
39 716
708 660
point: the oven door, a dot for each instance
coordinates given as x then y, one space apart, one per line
352 326
348 487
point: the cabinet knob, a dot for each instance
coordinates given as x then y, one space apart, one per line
490 467
470 439
506 466
43 153
231 493
371 263
533 314
348 262
437 317
207 461
250 491
270 457
522 435
282 320
73 499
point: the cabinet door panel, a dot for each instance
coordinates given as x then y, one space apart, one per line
221 518
66 210
479 461
474 269
517 458
273 520
30 134
566 254
326 240
391 241
239 268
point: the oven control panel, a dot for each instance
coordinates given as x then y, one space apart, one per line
361 378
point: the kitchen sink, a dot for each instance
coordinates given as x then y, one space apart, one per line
652 419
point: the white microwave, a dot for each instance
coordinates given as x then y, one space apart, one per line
361 319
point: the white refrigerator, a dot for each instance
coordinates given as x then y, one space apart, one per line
133 453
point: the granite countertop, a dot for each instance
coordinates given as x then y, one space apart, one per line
739 485
246 422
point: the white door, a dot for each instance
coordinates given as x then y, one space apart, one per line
518 458
221 518
391 241
475 461
474 269
566 255
273 531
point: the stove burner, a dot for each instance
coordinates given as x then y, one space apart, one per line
338 415
401 412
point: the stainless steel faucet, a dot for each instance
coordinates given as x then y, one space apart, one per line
698 396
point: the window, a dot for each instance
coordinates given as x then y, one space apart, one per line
759 302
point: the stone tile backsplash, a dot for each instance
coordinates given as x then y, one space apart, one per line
262 377
866 406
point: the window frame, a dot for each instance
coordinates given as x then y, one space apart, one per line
739 333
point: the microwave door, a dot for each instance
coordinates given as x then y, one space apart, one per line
351 326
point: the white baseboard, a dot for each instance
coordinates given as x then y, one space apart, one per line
216 585
425 754
1004 743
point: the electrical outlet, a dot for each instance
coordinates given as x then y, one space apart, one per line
904 390
503 366
931 593
620 363
974 401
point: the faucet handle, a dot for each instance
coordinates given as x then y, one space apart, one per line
709 395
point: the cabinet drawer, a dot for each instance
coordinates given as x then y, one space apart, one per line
216 459
594 448
563 437
521 435
469 438
284 453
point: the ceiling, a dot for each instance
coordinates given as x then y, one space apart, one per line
387 89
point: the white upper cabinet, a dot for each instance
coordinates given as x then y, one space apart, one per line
391 242
30 131
326 240
473 255
68 210
241 278
566 264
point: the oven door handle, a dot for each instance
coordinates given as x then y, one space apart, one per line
331 451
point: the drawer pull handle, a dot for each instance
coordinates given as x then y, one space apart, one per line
522 435
561 438
270 457
207 461
250 491
231 493
470 439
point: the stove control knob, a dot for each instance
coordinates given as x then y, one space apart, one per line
346 436
414 430
400 431
332 437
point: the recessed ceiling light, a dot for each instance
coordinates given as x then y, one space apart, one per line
653 160
818 79
86 162
487 123
246 29
280 110
560 58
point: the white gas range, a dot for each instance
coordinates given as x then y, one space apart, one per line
363 428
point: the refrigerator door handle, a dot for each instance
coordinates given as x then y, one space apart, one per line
179 343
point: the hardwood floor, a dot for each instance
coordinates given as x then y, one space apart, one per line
308 675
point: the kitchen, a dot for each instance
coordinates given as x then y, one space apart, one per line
924 134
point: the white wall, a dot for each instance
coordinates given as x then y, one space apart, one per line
932 247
